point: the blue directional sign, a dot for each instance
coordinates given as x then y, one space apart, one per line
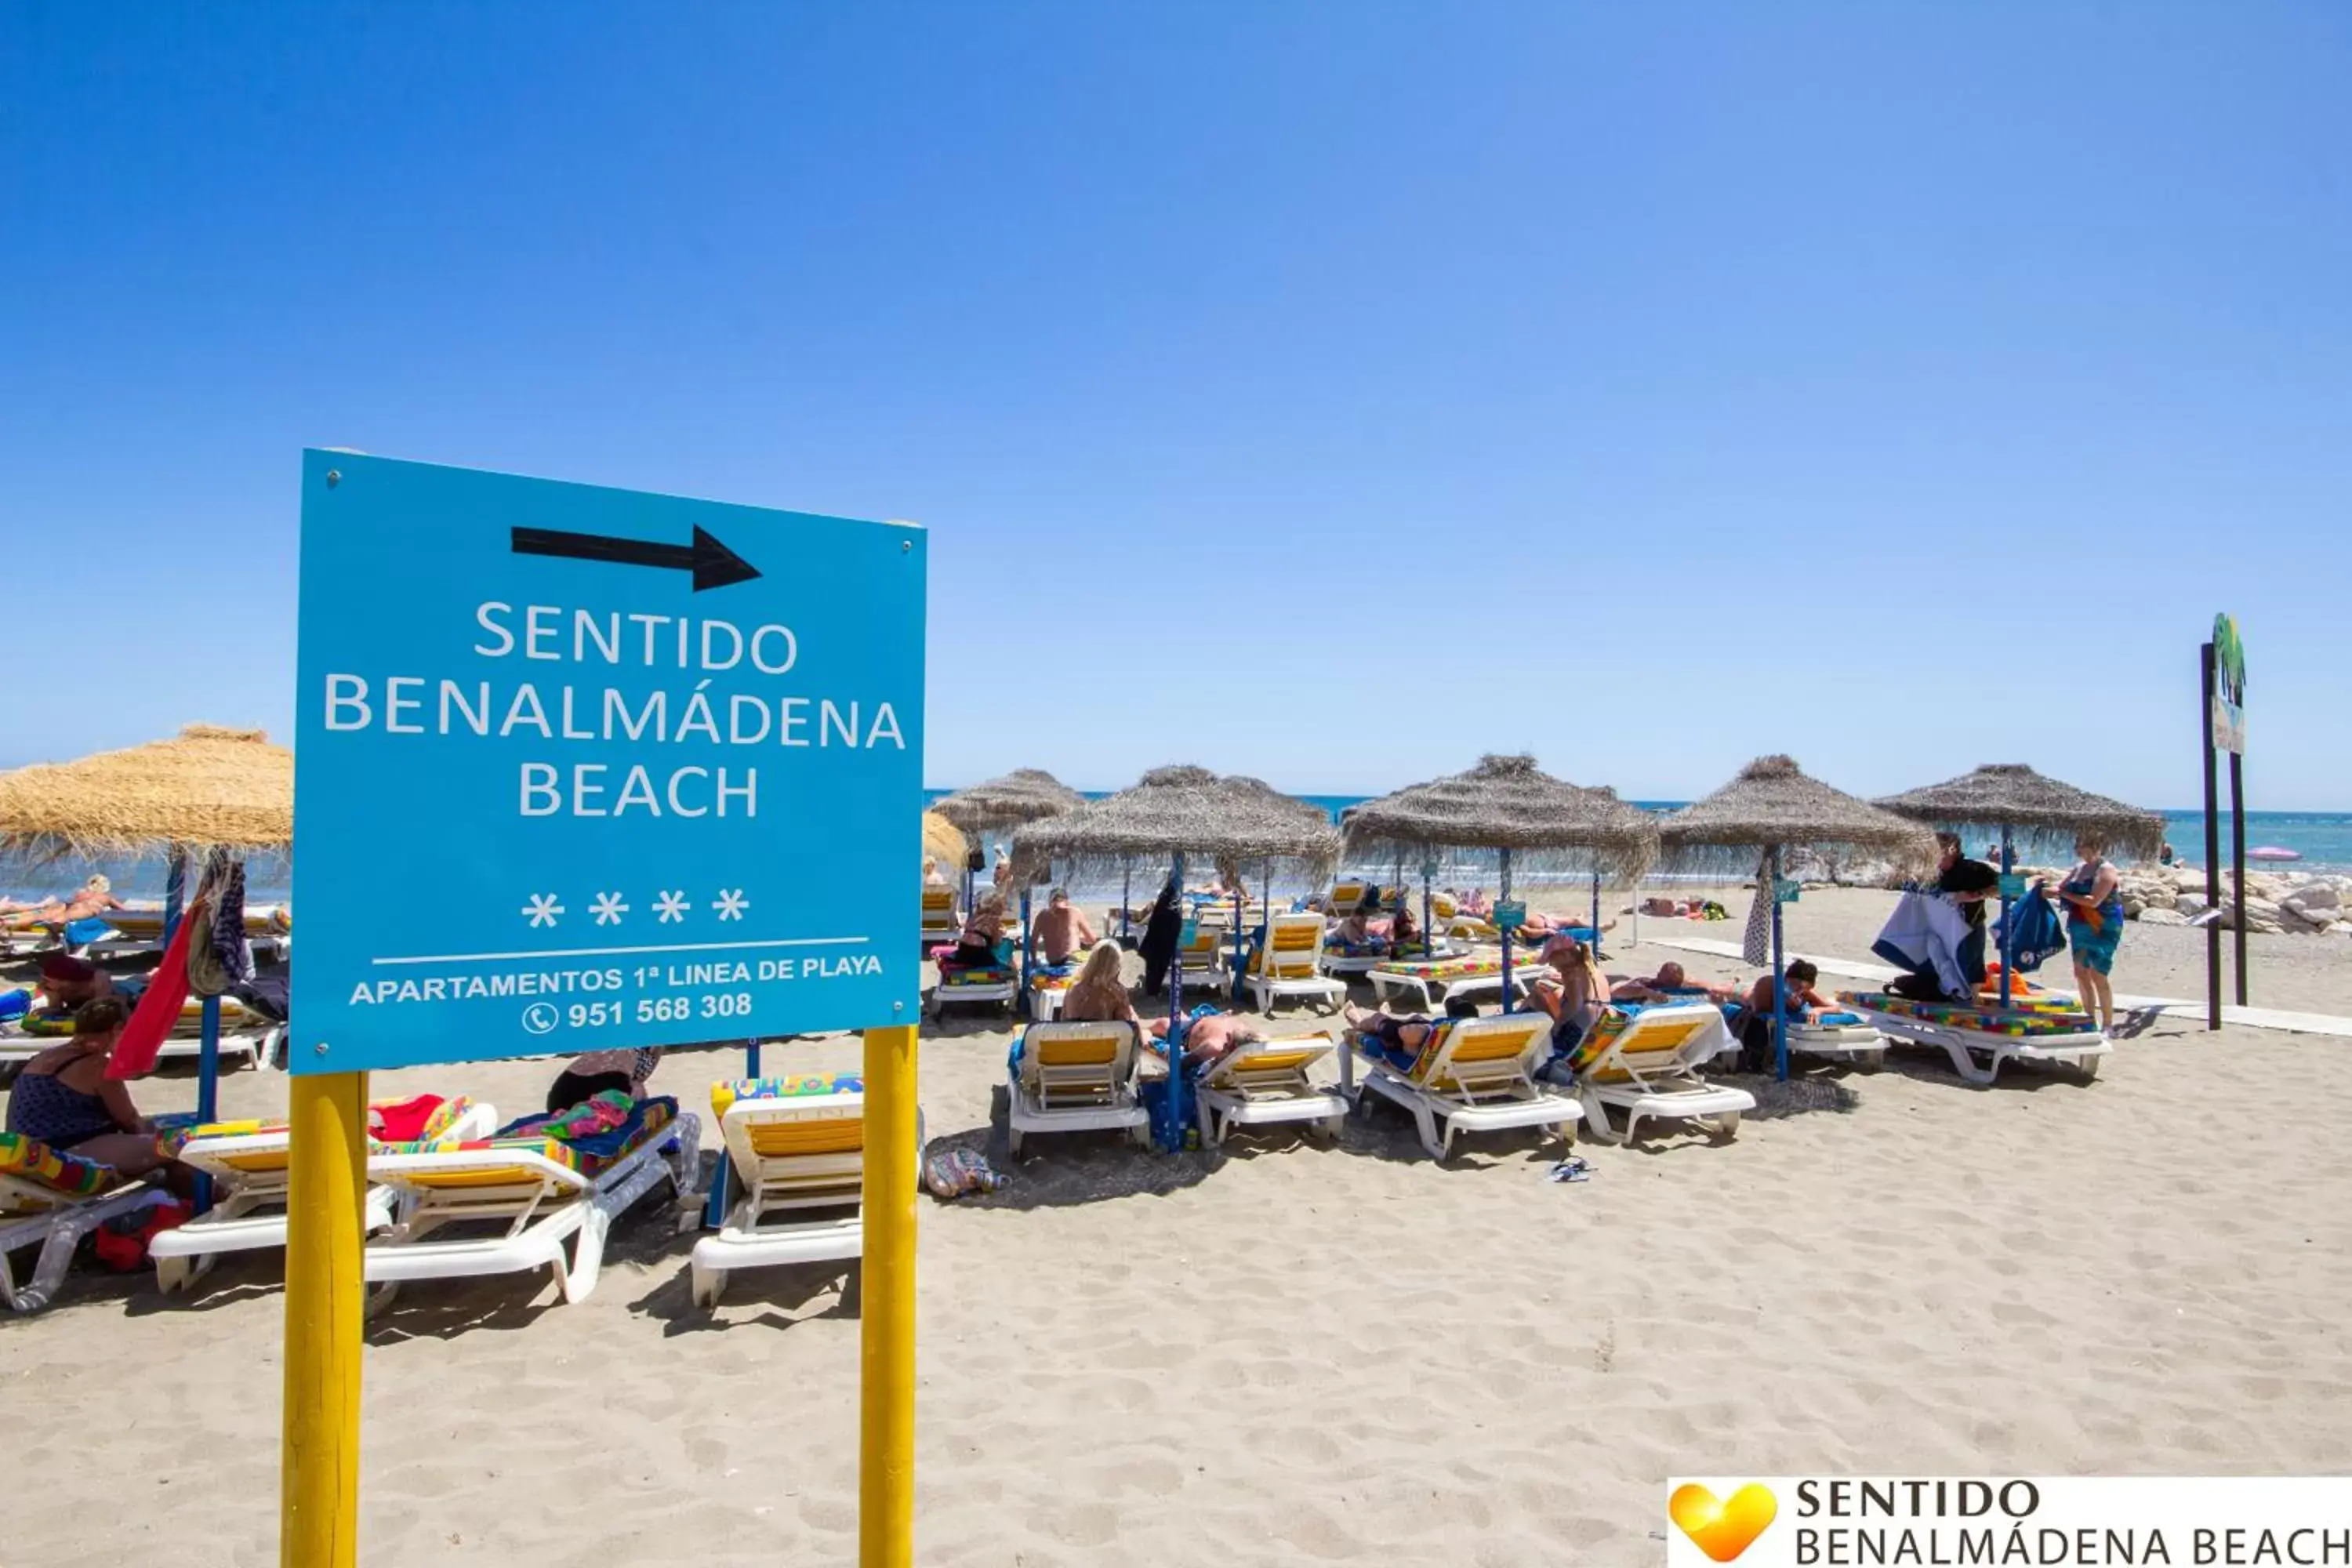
578 769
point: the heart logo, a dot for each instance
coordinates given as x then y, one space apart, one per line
1722 1527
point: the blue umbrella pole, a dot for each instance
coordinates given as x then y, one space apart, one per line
1596 916
176 893
1779 976
1507 932
207 1087
2007 930
1241 939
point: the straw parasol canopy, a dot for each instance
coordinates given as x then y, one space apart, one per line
2012 795
207 787
1772 802
941 842
1508 803
1025 794
1180 811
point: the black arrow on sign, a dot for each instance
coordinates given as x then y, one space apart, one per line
713 564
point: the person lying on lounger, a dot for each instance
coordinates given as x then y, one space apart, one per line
1396 1041
95 897
1207 1036
1061 932
1668 985
1540 927
63 1099
1405 931
1355 933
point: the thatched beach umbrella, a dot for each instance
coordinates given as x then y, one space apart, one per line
1169 814
1510 806
207 789
941 842
1022 796
1771 806
2015 800
1025 794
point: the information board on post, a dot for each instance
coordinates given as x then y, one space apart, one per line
1510 915
578 768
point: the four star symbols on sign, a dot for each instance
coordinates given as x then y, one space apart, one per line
670 906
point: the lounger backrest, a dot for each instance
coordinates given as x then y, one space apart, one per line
1345 897
1077 1064
1483 1053
477 1170
1269 1067
1294 948
938 909
1658 1039
1441 906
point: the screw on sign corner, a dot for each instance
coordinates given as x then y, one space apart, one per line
334 478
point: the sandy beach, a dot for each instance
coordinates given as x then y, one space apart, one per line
1296 1353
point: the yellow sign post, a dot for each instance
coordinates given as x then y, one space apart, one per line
885 1454
325 1304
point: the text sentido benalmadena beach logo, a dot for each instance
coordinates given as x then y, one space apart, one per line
2041 1521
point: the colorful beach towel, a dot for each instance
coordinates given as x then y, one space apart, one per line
60 1170
590 1138
2025 1020
794 1086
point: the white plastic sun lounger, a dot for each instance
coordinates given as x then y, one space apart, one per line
1264 1084
544 1204
974 993
1075 1078
940 925
35 1213
799 1159
1431 988
1979 1055
1290 964
1646 1064
1859 1044
1478 1077
250 1171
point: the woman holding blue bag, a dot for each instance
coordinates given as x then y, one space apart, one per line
2094 926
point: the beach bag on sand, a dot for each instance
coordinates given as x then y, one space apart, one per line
121 1242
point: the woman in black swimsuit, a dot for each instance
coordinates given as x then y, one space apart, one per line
64 1099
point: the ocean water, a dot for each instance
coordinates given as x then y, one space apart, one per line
2323 838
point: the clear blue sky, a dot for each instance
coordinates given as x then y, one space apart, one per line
1902 387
